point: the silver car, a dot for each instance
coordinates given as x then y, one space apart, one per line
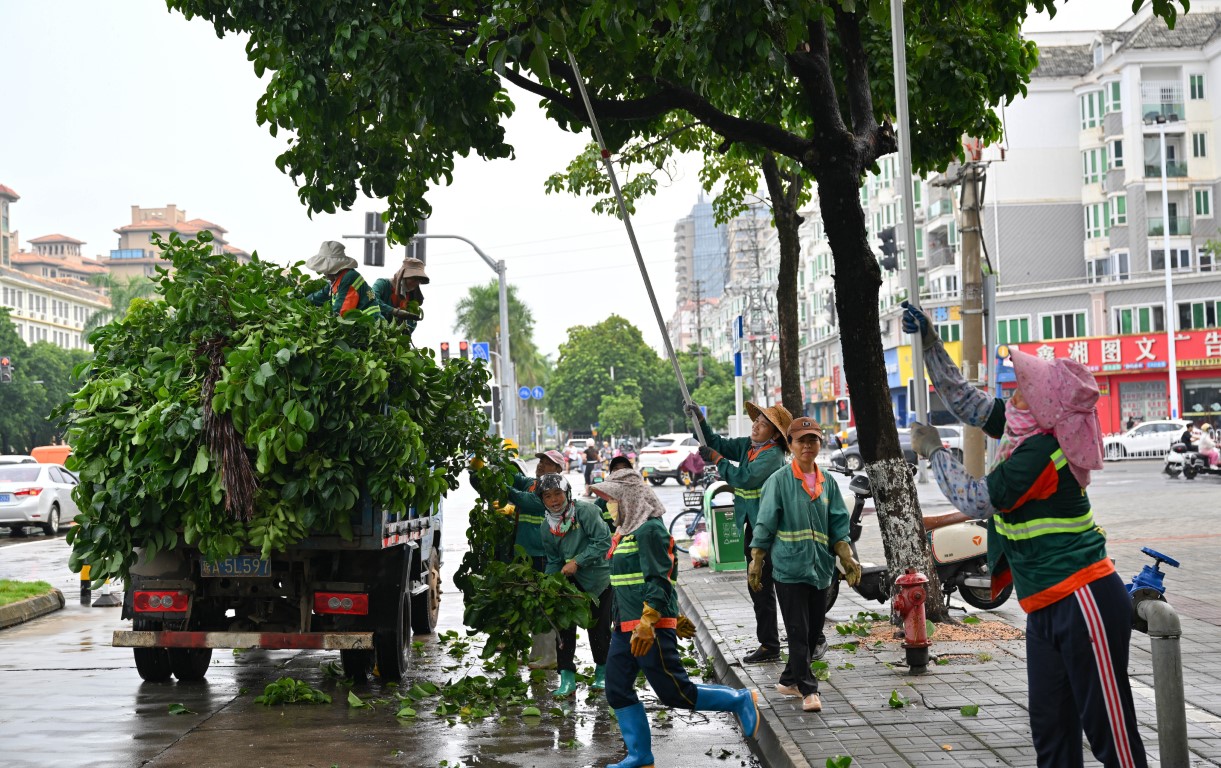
36 494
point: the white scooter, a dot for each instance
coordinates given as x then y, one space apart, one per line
960 552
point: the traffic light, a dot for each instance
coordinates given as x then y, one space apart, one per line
496 405
464 350
890 249
375 248
842 410
444 352
6 371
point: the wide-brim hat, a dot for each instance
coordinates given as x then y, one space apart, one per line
330 259
804 425
777 415
412 267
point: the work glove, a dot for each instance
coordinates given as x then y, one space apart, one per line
709 455
754 571
915 321
852 569
685 629
925 439
477 463
642 635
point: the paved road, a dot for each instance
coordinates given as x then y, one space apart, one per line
70 699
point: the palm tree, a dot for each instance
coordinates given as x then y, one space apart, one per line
477 317
121 294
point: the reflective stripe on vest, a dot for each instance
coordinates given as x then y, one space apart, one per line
626 579
1057 458
806 534
530 519
741 494
1043 526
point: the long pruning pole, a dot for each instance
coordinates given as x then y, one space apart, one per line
631 235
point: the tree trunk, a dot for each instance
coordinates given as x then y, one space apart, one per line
857 280
785 192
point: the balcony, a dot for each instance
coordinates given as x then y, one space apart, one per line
1161 98
941 207
1179 225
1174 170
940 257
128 253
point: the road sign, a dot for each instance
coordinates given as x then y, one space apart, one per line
537 392
704 411
479 351
524 393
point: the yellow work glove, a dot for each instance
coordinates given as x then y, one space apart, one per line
507 509
852 569
685 629
477 463
754 571
642 635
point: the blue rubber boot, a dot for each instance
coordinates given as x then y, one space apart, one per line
634 725
599 683
740 701
568 684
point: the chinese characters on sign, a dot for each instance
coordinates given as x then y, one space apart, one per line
1134 353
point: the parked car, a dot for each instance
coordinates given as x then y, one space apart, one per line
17 458
951 438
850 456
661 457
36 494
1150 439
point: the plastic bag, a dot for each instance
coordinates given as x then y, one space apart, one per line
700 549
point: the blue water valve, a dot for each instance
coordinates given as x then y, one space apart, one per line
1150 577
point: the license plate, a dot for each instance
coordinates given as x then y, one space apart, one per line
6 498
242 565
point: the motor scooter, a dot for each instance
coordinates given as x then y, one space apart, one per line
960 552
1183 460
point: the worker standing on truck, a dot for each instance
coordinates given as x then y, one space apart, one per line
576 542
347 291
756 457
401 295
648 625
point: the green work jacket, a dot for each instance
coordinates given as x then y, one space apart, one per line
346 293
643 570
530 515
799 528
390 300
747 476
586 543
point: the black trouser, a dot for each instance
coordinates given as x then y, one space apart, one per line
589 472
662 667
803 606
599 636
764 600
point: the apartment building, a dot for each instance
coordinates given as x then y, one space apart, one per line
136 254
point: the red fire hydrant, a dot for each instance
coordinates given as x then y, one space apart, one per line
909 604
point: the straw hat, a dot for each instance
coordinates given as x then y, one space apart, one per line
777 415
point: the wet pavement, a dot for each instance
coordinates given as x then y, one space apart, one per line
70 699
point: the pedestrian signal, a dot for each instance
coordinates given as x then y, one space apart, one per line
6 371
843 411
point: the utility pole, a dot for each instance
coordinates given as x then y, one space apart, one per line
970 204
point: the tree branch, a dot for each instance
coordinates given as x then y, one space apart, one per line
812 67
856 62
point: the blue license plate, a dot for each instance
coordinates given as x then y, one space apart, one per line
6 498
242 565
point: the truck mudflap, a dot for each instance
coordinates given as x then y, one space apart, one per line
324 641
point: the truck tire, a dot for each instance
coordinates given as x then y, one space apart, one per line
190 665
392 617
152 664
427 605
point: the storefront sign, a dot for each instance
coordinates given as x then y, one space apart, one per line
1134 353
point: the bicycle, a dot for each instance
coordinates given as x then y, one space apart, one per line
688 523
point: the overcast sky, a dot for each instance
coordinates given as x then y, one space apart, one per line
114 103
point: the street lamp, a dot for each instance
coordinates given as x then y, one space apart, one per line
1162 123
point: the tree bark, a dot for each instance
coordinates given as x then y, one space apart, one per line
785 192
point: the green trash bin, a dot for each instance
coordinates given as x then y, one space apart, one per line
727 551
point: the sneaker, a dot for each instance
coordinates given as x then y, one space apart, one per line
762 654
811 703
818 651
788 690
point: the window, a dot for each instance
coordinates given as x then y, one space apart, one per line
949 331
1204 257
1117 154
1180 258
917 194
1013 330
1197 87
1114 102
1199 145
1119 210
1202 198
1139 319
1093 165
919 243
1198 314
1065 326
1096 224
1091 109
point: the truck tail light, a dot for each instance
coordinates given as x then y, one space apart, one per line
353 603
28 492
161 602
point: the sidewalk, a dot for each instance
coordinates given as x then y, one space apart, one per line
857 719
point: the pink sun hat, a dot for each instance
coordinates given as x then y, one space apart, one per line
1062 396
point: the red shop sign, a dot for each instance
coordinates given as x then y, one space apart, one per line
1133 353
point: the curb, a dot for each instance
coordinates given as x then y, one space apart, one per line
30 608
772 742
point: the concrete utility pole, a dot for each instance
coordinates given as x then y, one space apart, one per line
970 204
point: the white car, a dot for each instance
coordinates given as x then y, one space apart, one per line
36 494
661 457
951 438
17 458
1150 439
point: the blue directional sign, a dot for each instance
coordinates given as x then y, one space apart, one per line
479 351
704 410
537 392
524 393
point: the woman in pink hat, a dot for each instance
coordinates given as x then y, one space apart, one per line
1042 538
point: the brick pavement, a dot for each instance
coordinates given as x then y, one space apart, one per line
858 721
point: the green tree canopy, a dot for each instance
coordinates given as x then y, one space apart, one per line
621 413
120 292
477 317
42 379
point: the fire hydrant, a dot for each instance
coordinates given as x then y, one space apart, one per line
909 605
